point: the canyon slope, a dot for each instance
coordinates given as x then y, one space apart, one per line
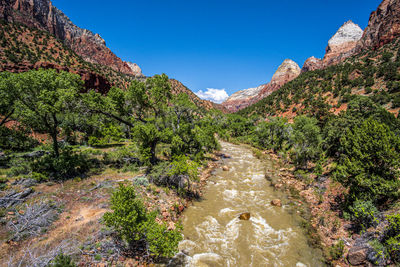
41 14
286 72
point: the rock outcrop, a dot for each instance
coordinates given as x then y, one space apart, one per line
342 44
137 71
286 72
43 15
311 64
383 26
241 99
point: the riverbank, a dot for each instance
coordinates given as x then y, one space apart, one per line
318 202
72 217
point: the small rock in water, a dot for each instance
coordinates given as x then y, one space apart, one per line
276 202
225 168
245 216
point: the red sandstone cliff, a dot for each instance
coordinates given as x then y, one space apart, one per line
383 26
43 15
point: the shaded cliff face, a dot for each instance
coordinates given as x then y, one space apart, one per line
286 72
43 15
383 26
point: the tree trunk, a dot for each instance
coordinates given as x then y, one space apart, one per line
54 137
153 159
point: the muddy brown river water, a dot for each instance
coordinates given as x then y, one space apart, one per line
214 235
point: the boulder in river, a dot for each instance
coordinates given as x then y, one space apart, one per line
276 202
225 168
245 216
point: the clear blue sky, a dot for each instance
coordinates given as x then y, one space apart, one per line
227 44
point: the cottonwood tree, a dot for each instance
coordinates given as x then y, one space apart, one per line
43 97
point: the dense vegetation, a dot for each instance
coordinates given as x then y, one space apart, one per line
358 147
50 130
163 133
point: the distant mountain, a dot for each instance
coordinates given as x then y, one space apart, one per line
34 34
365 64
286 72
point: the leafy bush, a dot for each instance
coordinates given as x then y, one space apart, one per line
16 139
122 157
370 162
19 166
69 164
392 237
134 224
364 214
62 260
306 140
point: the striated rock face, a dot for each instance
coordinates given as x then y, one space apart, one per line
342 44
383 26
241 99
286 72
43 15
311 64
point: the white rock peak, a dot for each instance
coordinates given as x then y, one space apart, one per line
246 93
287 67
349 32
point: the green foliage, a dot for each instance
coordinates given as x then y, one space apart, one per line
122 157
108 134
62 260
182 165
19 166
337 250
136 225
67 165
273 134
307 140
364 214
370 162
16 139
43 97
392 237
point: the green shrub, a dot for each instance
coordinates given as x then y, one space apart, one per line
182 165
122 157
19 166
306 140
337 250
68 165
134 224
62 260
392 237
370 162
16 139
364 214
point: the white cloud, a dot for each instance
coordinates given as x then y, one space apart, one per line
214 95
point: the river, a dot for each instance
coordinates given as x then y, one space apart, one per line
214 235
